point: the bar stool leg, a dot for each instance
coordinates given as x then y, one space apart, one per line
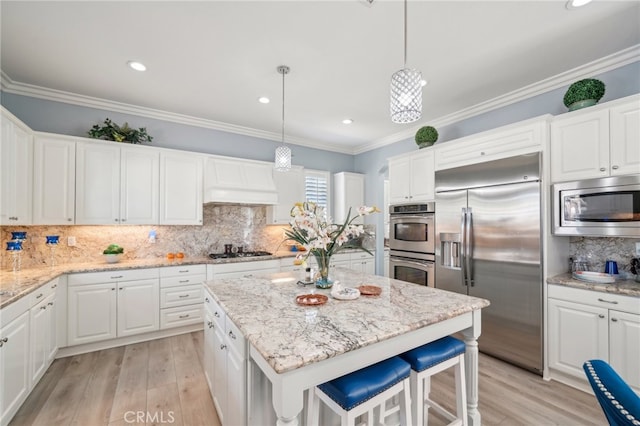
461 389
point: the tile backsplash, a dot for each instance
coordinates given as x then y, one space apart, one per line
222 224
597 250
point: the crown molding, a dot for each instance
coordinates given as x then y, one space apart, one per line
599 66
33 91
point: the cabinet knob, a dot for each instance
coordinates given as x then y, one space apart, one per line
602 169
115 219
206 299
210 324
233 336
216 314
113 288
43 307
50 303
223 347
69 219
3 341
121 288
124 220
614 167
614 319
601 316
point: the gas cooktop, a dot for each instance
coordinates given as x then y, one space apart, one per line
241 254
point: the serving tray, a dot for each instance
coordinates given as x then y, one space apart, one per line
370 290
311 299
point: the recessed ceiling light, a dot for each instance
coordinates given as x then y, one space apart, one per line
263 100
138 66
574 4
347 121
423 83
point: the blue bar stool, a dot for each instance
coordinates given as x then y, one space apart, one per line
428 360
363 391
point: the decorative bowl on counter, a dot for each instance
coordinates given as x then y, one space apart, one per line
594 277
112 258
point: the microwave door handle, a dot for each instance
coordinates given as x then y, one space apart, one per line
463 243
469 249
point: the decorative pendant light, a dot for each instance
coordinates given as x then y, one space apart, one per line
283 153
406 89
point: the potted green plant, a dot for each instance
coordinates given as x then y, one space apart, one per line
583 93
112 253
112 132
426 136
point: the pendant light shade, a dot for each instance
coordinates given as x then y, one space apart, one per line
283 152
406 89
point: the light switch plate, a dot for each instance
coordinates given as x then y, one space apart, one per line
71 241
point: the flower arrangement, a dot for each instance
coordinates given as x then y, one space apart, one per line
313 229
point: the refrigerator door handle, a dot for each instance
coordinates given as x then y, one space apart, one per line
469 248
463 246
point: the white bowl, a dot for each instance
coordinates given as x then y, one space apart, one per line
112 258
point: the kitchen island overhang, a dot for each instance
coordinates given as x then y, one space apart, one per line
298 347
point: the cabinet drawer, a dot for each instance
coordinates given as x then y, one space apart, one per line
43 292
180 296
181 315
235 338
180 281
246 266
596 298
179 270
111 276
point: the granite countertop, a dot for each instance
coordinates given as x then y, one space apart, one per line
625 287
14 286
290 336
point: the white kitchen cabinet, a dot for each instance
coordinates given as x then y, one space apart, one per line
138 307
106 305
348 193
598 142
586 325
244 269
14 366
209 344
54 162
116 184
181 182
181 295
42 317
235 180
16 172
363 262
290 189
412 177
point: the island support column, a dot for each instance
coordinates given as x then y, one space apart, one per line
471 369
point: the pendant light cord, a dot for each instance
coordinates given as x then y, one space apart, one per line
284 71
405 33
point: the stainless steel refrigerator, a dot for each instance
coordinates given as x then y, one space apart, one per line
488 244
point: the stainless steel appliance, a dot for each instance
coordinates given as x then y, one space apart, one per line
488 244
412 243
598 207
229 254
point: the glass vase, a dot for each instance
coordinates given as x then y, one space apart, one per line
323 259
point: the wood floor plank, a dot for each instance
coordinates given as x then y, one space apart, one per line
185 356
198 342
163 406
131 392
196 402
95 407
161 369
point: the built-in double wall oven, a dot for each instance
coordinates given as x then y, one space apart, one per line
412 243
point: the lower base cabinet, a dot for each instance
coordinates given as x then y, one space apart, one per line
586 325
14 366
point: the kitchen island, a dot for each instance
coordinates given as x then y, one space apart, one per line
298 347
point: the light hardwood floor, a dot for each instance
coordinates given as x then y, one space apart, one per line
165 379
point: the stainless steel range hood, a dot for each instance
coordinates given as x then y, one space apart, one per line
238 181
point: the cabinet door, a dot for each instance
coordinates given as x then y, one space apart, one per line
52 323
290 187
97 183
209 349
220 374
16 174
139 186
577 333
236 388
625 139
14 366
580 146
423 177
138 307
624 346
92 313
399 180
54 163
40 329
181 194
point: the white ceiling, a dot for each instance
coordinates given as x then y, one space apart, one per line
211 60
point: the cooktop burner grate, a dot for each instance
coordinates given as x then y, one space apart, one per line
243 254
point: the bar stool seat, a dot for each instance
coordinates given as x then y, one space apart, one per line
428 360
363 391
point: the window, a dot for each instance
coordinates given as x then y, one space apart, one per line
316 187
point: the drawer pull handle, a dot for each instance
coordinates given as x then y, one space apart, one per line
223 347
116 277
184 271
43 307
3 341
182 296
206 299
614 167
121 288
613 302
601 316
233 336
183 316
183 281
602 169
39 296
50 303
614 319
210 324
216 314
54 286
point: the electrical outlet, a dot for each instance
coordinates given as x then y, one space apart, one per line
637 249
71 241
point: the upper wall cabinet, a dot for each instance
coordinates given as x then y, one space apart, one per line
597 142
233 180
181 177
117 184
411 177
348 190
290 188
520 138
54 161
16 172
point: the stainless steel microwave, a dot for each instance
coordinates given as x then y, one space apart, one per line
606 207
